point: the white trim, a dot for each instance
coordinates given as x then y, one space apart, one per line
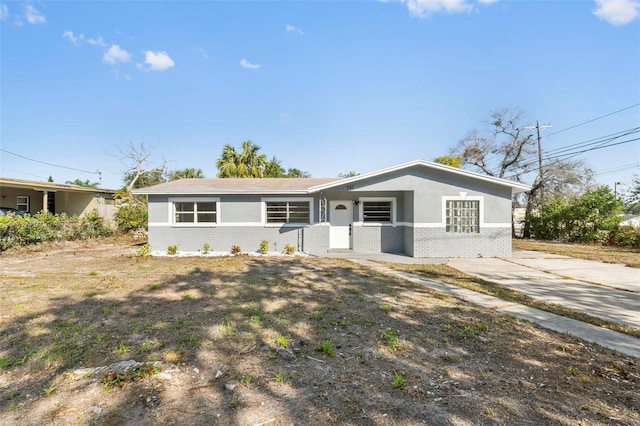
515 186
361 201
263 211
27 203
171 207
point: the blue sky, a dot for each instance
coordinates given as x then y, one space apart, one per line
327 87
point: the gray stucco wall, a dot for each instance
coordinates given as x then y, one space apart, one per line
312 239
376 239
435 242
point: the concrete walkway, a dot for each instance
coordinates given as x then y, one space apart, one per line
610 292
602 299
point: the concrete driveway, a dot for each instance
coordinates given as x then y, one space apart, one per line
607 291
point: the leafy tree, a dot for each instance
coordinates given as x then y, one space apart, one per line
348 174
248 163
632 196
85 183
273 168
297 173
588 218
189 173
450 160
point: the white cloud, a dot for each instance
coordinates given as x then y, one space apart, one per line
4 12
33 16
426 8
96 42
292 29
159 61
617 12
75 39
248 65
115 54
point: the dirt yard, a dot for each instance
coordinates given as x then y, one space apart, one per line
93 334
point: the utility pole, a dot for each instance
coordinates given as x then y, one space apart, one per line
538 127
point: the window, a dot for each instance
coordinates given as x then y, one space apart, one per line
23 203
376 211
195 212
463 216
288 211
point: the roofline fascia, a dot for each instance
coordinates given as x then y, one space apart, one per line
516 186
225 192
43 186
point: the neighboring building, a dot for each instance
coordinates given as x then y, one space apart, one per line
630 220
420 208
32 197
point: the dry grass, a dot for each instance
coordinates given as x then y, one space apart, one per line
622 256
362 348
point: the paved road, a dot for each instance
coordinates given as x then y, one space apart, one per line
611 292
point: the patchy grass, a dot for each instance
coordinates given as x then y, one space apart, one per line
451 275
247 345
618 255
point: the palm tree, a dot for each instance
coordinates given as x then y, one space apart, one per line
189 173
247 164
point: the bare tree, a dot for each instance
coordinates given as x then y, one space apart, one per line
506 150
138 160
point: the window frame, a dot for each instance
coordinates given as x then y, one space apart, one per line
26 203
195 200
287 200
480 217
393 213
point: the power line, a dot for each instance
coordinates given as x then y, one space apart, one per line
51 164
594 141
592 120
617 169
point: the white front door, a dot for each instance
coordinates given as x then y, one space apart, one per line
340 220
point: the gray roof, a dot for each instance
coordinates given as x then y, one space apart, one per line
236 185
304 185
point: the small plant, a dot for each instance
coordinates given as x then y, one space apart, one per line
325 347
122 349
289 249
93 274
264 246
172 249
392 341
386 308
235 401
398 380
227 326
246 380
105 311
206 249
155 286
235 250
187 296
282 341
49 390
271 355
279 377
5 362
144 250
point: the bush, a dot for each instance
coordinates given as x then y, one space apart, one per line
625 236
132 217
44 226
289 249
264 246
236 250
172 249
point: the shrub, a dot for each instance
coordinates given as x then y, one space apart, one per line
131 217
206 248
289 249
235 250
144 250
625 236
45 226
172 249
264 246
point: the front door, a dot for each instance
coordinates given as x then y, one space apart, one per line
340 221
